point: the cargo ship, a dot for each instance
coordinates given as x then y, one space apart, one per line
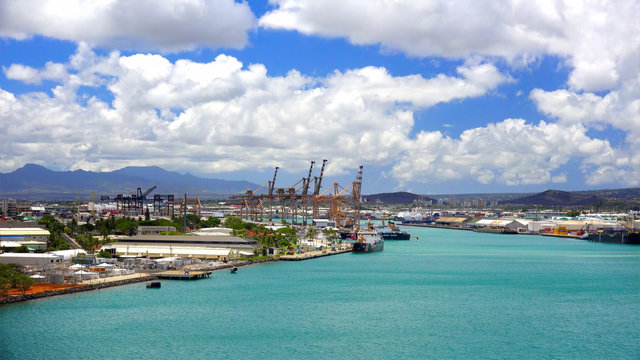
368 241
614 237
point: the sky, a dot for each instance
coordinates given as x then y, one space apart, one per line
432 97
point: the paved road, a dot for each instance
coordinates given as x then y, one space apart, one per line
71 241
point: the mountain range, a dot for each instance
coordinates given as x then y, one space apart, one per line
35 182
39 183
557 198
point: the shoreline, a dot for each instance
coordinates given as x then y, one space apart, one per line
72 290
104 283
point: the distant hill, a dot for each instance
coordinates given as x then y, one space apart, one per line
397 198
556 198
615 194
37 182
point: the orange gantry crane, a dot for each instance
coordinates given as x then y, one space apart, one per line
294 201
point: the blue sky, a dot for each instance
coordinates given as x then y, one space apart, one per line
431 97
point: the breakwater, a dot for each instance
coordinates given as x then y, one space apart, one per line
19 298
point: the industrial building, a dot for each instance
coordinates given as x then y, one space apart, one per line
204 247
34 238
30 259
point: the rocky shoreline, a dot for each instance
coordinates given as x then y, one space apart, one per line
20 298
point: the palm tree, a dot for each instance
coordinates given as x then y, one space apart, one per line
330 233
312 233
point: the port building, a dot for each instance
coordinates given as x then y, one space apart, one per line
29 259
218 247
34 238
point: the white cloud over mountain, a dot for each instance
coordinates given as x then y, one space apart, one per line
222 116
217 116
135 25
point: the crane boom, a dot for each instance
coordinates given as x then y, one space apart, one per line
318 183
149 191
307 182
273 183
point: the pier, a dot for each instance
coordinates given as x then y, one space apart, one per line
183 275
313 254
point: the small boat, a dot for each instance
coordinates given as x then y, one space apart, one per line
153 285
234 270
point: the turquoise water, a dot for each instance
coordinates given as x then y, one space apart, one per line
450 294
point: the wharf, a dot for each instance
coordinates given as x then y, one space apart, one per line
313 254
438 226
566 236
183 275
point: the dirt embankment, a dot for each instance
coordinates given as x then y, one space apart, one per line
38 288
44 290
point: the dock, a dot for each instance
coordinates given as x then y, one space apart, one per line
313 254
183 275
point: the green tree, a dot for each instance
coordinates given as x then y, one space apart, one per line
288 235
234 223
9 271
104 232
5 285
127 226
312 233
73 226
192 221
210 222
330 233
88 242
21 249
23 282
85 228
104 254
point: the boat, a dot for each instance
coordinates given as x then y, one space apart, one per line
392 232
153 285
368 241
615 237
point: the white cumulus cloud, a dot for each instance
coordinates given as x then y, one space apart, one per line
136 25
597 38
513 152
218 116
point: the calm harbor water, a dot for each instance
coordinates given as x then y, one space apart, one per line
450 294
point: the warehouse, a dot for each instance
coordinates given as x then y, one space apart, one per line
34 238
204 247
